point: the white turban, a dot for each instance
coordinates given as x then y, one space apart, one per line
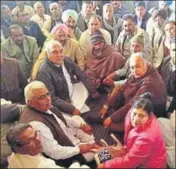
69 13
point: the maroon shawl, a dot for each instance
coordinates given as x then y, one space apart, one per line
100 67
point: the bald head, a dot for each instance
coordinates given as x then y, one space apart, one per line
138 65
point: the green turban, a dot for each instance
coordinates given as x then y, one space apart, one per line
69 13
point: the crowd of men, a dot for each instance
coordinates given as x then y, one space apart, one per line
57 55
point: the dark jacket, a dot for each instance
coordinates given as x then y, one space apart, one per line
168 73
34 31
13 80
31 114
144 20
55 81
5 24
151 82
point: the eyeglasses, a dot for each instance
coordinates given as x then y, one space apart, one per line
31 139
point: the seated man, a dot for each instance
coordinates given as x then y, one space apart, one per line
21 6
157 37
70 48
70 18
30 28
94 25
141 15
85 15
102 59
136 45
10 113
69 86
41 18
143 78
21 47
26 145
119 8
6 20
62 136
111 23
73 5
165 5
56 13
13 80
168 70
169 29
128 32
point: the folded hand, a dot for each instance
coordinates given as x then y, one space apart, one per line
86 128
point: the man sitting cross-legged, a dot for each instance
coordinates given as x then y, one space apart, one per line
68 85
70 46
64 138
143 78
102 59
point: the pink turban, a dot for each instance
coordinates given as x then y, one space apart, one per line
62 27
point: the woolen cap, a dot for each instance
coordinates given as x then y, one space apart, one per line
139 38
97 36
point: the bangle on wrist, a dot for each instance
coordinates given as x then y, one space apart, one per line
105 106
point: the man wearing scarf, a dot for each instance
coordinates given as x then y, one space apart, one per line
157 37
94 25
102 59
111 23
137 45
128 32
85 15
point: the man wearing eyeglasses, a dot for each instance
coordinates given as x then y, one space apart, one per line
26 145
64 138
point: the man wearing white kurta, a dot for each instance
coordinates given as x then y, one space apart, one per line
68 85
62 136
26 145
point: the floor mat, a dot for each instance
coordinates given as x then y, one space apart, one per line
99 131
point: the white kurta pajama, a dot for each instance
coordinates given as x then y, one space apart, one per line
74 133
37 161
78 93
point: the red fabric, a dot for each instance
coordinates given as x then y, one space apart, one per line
145 146
151 82
109 62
